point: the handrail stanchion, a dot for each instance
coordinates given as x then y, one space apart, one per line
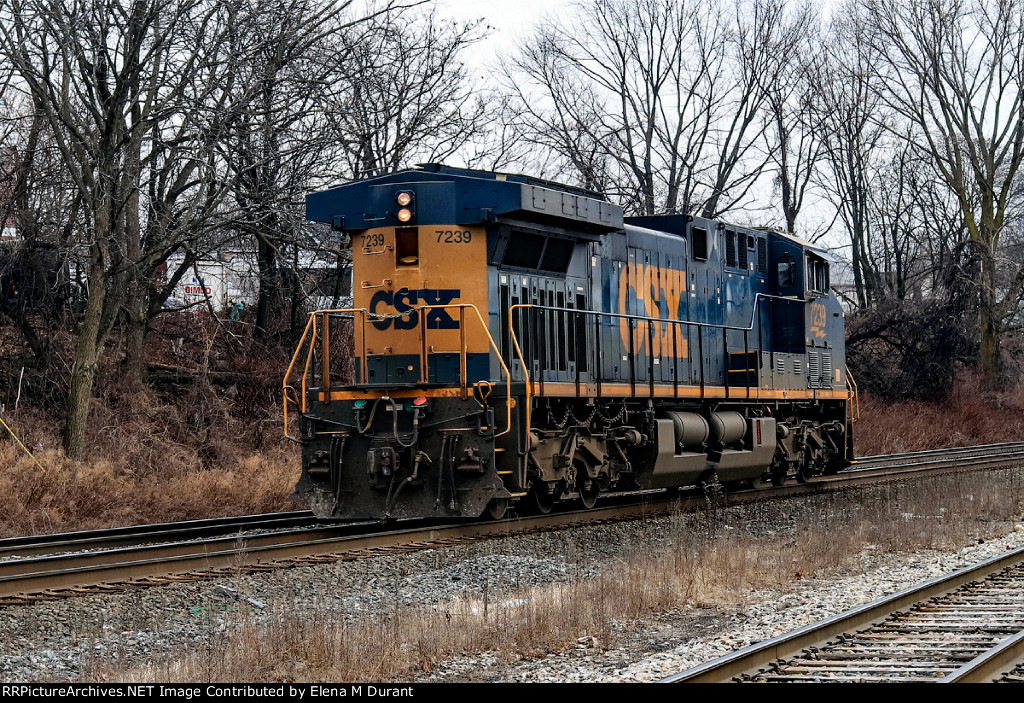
700 357
424 359
632 357
746 361
725 350
463 357
650 357
284 382
760 353
574 321
327 359
522 361
363 369
676 331
309 362
851 386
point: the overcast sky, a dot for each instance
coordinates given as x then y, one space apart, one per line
510 20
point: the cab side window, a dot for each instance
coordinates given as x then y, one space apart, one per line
786 271
817 274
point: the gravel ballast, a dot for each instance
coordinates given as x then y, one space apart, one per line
98 636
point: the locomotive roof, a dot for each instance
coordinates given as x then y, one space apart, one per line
816 248
447 195
678 224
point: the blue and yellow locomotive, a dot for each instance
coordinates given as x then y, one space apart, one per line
514 341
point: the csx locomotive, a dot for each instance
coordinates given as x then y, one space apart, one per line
517 342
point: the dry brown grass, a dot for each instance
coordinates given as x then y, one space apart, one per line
708 558
968 417
205 444
64 495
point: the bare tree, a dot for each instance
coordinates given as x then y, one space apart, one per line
656 102
278 144
180 203
915 224
405 94
103 73
955 68
850 117
328 96
795 135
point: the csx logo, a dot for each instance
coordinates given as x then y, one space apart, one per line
403 301
653 291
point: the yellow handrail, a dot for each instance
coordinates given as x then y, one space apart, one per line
522 365
462 343
284 382
311 327
851 384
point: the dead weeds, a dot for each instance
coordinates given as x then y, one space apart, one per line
711 558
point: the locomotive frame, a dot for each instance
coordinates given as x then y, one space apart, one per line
571 353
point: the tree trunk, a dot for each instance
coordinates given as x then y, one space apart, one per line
84 370
136 304
989 353
269 287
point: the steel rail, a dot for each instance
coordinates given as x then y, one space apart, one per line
37 545
990 666
62 542
955 462
899 457
124 564
74 571
755 658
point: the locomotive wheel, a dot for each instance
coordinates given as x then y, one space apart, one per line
496 508
809 467
589 491
543 501
780 472
587 487
805 471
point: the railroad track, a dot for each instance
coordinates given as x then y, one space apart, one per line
948 453
965 627
54 566
111 538
947 457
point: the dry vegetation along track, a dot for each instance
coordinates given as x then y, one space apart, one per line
964 627
123 558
